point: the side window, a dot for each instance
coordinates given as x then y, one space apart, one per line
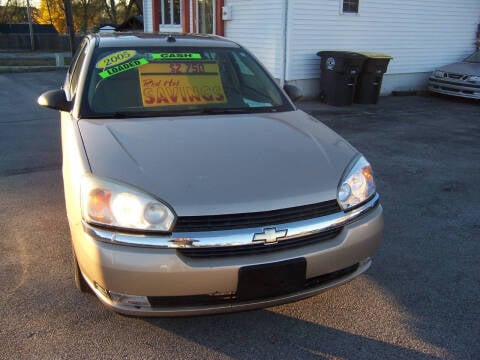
75 68
256 87
76 55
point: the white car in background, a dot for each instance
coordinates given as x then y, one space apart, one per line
458 79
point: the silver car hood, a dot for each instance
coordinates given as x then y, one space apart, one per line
221 164
464 68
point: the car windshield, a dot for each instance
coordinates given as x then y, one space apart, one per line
475 57
139 82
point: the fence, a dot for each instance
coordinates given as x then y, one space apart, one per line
42 42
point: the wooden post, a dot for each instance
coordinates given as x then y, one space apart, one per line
30 26
69 22
219 26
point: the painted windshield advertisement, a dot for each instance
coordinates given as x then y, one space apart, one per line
181 83
139 80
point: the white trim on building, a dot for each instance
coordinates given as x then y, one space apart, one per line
147 16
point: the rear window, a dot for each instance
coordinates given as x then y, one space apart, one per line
165 81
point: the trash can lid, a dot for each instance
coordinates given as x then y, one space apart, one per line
373 55
340 53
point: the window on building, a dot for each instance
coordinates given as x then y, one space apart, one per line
170 12
206 16
350 6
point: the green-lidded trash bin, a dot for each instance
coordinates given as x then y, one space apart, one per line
339 72
370 78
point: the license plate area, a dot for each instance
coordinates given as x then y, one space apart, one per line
270 280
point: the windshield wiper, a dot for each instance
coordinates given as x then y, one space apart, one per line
136 114
191 112
118 115
244 110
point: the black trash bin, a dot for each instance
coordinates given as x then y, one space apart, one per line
340 70
370 78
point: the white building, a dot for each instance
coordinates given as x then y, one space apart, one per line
286 34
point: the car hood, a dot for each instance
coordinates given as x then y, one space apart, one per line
209 165
464 68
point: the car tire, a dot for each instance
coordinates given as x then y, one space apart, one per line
80 282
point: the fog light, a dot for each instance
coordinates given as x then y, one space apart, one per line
101 290
129 300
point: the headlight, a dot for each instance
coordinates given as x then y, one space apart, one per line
357 184
439 73
107 202
473 78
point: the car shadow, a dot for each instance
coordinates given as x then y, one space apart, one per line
454 99
264 334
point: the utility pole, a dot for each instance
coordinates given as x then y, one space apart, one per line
69 22
30 26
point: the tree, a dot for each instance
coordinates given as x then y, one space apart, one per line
134 4
117 11
13 13
87 14
127 8
51 12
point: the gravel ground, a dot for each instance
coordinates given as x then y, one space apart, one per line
420 299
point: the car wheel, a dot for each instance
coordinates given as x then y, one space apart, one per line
80 282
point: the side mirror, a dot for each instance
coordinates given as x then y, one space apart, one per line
293 92
55 99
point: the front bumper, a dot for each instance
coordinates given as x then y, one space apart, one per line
455 88
164 272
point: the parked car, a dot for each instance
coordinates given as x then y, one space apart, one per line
194 185
458 79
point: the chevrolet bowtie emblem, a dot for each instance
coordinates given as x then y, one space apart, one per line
270 235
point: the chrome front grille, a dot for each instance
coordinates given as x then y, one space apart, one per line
298 226
456 76
255 249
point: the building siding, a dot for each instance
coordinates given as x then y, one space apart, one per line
147 16
259 26
420 35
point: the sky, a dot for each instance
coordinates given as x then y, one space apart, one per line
33 3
